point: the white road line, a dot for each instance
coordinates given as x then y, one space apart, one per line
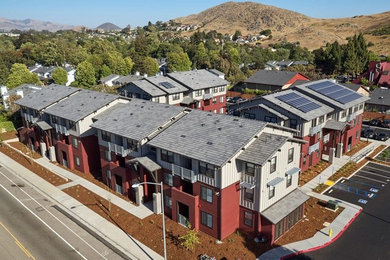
56 219
43 222
376 174
377 169
369 179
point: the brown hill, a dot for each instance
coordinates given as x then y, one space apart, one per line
286 25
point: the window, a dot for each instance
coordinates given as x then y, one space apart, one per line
137 95
288 180
76 160
168 201
358 120
319 135
360 106
206 169
221 110
221 88
304 160
72 125
215 90
221 99
355 109
146 96
129 94
270 119
321 119
168 179
166 156
350 110
106 136
132 144
344 114
290 155
157 99
214 100
293 123
75 142
357 134
271 192
206 194
176 96
329 116
215 111
248 218
248 194
108 177
207 219
54 119
273 165
249 115
314 122
250 169
198 93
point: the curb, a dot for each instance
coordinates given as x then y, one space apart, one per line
327 243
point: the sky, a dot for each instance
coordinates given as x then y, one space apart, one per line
92 13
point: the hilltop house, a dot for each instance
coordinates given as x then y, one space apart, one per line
378 73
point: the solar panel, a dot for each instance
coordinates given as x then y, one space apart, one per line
167 84
298 102
288 96
335 92
309 107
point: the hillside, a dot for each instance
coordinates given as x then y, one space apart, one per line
251 18
30 24
107 27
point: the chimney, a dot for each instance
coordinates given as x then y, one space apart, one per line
137 73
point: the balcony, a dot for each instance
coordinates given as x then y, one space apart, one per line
315 129
314 147
207 96
205 179
248 178
118 149
351 117
61 129
184 173
30 118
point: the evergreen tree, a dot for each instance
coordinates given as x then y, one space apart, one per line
60 76
85 75
178 61
20 75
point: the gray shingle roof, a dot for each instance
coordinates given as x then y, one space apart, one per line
159 82
335 125
285 206
147 163
304 88
198 79
136 119
127 79
263 148
46 97
109 77
271 77
148 87
80 105
208 137
380 97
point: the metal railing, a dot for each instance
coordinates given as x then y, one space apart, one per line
61 129
118 149
315 129
184 173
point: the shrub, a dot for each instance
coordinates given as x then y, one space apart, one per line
190 239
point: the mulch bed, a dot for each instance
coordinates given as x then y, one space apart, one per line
8 135
32 166
358 147
312 172
315 216
24 149
238 245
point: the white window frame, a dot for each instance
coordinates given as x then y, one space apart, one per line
206 219
272 164
206 194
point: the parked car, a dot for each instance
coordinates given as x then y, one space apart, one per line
375 122
385 123
369 133
381 137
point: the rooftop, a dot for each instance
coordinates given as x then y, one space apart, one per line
380 96
110 77
46 97
166 84
198 79
80 105
149 88
208 137
271 77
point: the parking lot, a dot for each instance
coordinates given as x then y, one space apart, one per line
375 131
368 237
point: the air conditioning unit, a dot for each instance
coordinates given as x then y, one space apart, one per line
332 204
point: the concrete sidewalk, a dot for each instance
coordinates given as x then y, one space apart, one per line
112 234
339 224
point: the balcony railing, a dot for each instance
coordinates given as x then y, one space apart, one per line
118 149
205 179
30 118
247 178
184 173
207 96
314 147
61 129
315 129
351 117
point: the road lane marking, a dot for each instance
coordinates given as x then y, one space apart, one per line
43 222
18 243
95 250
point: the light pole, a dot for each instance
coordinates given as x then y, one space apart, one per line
162 210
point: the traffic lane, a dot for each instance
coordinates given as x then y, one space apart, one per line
35 236
10 246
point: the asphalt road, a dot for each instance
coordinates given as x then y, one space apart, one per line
32 228
368 237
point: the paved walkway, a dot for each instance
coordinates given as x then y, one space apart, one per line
339 224
111 233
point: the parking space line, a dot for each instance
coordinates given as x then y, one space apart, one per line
370 179
376 169
363 183
376 174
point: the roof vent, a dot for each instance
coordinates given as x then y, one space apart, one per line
240 125
209 143
209 114
202 124
183 136
137 126
115 119
381 97
131 114
235 119
219 128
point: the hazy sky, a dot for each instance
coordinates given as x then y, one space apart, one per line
92 13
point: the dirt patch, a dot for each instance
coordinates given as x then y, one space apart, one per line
358 147
8 135
32 166
320 188
312 172
372 115
24 149
238 245
315 216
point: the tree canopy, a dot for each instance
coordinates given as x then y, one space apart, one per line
60 76
21 75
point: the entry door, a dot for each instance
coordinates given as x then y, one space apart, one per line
183 214
64 159
349 143
118 184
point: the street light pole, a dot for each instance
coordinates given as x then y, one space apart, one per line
162 210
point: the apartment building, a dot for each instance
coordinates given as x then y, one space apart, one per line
328 116
199 89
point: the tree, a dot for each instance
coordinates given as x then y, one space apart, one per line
150 66
178 61
129 65
60 76
236 35
20 75
201 60
85 75
190 239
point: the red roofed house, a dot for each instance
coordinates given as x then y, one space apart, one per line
377 74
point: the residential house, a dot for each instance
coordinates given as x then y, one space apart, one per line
108 81
327 115
20 91
378 73
124 80
379 100
272 80
358 88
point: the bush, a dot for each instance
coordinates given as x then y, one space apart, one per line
190 239
7 125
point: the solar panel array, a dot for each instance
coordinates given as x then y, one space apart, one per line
335 92
167 84
298 102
